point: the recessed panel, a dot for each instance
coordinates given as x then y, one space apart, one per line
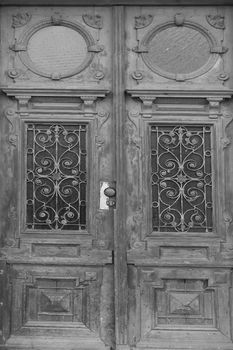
184 302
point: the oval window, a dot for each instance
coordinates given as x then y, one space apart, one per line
178 50
57 49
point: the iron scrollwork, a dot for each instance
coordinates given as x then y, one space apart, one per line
181 178
56 176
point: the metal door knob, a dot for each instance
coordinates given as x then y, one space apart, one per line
110 192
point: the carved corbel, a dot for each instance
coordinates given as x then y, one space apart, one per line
214 107
23 101
89 103
147 104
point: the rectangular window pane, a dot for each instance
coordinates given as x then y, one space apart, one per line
56 176
181 175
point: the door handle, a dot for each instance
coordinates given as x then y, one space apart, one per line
110 192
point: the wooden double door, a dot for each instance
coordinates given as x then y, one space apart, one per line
116 172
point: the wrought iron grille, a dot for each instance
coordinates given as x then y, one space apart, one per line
181 178
56 176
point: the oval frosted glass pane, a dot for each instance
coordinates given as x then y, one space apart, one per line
178 50
57 49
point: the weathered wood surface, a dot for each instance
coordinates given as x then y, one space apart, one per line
129 279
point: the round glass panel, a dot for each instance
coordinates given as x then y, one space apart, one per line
57 49
178 50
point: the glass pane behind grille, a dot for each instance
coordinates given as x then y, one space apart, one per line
181 178
56 176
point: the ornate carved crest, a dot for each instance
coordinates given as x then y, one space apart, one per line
143 21
20 19
216 21
94 21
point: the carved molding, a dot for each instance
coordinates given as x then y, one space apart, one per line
179 20
214 97
46 92
88 98
20 47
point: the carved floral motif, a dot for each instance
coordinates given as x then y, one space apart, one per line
20 19
143 21
216 21
94 21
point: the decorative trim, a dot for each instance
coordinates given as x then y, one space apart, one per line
94 21
216 21
226 120
10 114
102 119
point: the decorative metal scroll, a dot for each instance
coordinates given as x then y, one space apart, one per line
56 176
181 178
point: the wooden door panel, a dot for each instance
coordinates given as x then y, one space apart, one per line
178 202
80 113
174 303
57 241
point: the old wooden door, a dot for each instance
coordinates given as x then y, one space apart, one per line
136 100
